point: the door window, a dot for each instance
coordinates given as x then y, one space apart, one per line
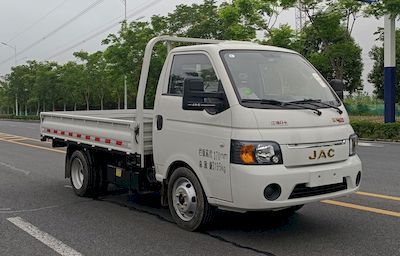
192 65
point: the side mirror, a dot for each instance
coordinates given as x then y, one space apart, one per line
338 87
194 97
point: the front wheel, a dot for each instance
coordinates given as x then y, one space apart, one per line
187 201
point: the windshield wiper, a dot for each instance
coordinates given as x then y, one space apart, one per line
314 102
282 104
264 101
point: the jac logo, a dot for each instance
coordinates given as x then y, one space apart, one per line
321 154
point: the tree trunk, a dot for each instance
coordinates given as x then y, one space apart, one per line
65 106
38 108
26 110
119 102
54 107
75 106
87 101
87 98
44 106
101 103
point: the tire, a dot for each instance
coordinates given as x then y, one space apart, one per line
82 176
185 188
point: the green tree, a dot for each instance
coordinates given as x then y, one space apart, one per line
47 84
21 81
126 49
350 11
87 88
197 20
71 80
284 36
384 7
327 43
5 104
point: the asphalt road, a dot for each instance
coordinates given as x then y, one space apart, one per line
36 201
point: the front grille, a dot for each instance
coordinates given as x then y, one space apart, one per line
301 190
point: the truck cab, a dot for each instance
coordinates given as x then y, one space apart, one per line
258 125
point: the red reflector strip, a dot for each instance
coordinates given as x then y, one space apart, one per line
118 142
97 139
62 132
70 134
79 135
87 137
48 130
107 141
55 131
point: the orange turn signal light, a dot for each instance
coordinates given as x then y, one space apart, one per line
247 154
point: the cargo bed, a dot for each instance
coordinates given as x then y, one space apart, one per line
109 129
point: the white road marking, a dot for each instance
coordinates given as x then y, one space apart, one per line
43 237
14 168
367 144
5 209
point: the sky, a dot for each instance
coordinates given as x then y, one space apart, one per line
54 29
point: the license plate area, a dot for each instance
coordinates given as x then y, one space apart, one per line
322 178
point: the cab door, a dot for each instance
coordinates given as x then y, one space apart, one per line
201 139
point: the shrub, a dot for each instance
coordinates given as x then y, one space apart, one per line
375 130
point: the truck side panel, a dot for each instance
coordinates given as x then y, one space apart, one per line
109 133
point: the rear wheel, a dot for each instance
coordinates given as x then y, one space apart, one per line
82 179
187 201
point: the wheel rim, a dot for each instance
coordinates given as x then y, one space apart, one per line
77 173
184 199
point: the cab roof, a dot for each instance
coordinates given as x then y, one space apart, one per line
230 45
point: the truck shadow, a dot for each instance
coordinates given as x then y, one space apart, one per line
253 221
224 220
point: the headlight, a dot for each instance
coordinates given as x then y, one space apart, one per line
255 153
353 144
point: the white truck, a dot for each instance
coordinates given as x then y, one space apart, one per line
236 126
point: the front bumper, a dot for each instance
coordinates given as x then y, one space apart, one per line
249 182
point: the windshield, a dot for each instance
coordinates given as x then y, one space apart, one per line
278 76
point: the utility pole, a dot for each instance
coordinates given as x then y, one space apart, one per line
300 16
125 84
15 64
389 91
390 68
125 77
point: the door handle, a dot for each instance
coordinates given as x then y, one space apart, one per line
159 122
